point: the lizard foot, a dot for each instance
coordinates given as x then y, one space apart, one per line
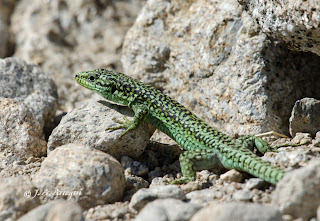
126 123
182 180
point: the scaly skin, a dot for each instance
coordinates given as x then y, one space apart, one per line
205 146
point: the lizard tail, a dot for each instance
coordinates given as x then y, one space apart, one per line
254 165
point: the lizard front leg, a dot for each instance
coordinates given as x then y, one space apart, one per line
141 112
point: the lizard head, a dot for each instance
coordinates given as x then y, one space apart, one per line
101 81
109 84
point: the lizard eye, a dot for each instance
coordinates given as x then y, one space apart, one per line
91 78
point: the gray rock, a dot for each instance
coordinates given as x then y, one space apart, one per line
205 196
154 176
221 191
88 123
316 141
167 210
302 138
158 181
22 167
213 58
144 196
305 117
295 158
81 174
255 183
6 7
61 210
232 176
67 37
296 23
17 197
133 184
237 211
192 186
298 193
243 195
134 167
116 211
21 136
27 84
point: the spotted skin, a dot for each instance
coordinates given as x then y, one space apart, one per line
205 146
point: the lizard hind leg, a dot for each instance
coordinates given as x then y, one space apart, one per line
194 160
251 141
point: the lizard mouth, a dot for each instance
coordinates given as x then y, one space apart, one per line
83 81
80 80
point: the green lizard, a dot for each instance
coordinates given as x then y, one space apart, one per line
205 146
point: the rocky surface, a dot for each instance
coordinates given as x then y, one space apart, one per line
80 174
67 37
133 167
305 117
29 85
26 167
28 100
232 176
295 157
299 189
145 196
6 8
295 22
167 210
16 197
55 210
212 56
238 211
214 59
87 125
116 211
20 133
